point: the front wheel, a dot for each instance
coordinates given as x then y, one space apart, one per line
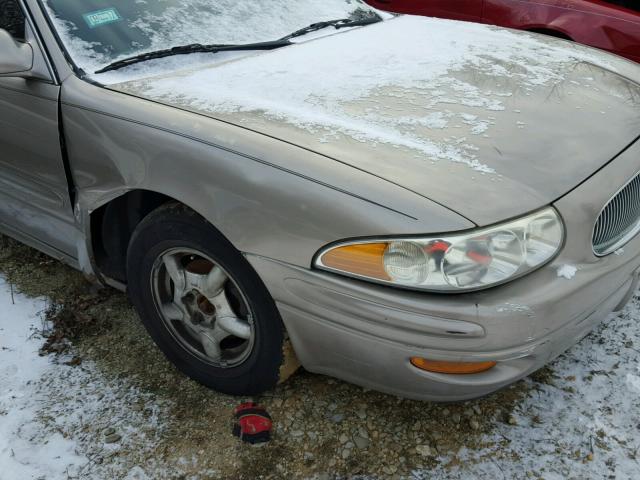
203 304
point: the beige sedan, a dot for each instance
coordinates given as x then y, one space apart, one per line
429 208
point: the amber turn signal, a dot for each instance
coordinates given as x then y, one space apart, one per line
451 367
366 259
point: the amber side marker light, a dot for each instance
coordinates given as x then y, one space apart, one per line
365 259
451 367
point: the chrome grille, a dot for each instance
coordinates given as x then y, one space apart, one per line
619 220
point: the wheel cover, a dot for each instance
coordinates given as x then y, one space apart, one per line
202 307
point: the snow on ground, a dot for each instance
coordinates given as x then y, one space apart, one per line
24 451
585 423
49 411
582 422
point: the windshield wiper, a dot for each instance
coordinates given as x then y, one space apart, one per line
192 48
357 21
360 19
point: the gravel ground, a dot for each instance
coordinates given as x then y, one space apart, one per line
128 414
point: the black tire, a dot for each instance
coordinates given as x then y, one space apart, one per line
175 226
551 33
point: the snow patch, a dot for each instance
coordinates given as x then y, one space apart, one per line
52 416
361 83
515 308
567 271
24 451
633 381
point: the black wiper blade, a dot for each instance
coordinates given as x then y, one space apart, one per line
337 24
192 48
358 20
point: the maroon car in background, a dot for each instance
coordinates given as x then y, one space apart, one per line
612 25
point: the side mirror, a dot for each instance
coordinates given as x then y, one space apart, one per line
16 59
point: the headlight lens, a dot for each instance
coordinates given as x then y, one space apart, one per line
454 262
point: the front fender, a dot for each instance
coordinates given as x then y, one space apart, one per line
268 197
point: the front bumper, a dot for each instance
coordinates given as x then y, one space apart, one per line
366 334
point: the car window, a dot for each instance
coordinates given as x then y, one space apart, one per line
630 4
12 19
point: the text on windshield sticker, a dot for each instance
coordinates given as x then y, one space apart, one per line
102 17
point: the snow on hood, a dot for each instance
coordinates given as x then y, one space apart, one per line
400 97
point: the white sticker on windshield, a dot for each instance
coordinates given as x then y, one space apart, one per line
102 17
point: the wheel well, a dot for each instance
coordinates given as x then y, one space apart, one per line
551 33
112 226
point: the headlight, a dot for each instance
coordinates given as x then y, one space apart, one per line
453 262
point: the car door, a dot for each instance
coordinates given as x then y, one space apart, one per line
470 10
34 196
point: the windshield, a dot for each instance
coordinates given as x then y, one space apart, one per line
99 32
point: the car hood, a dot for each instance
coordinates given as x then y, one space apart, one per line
489 122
